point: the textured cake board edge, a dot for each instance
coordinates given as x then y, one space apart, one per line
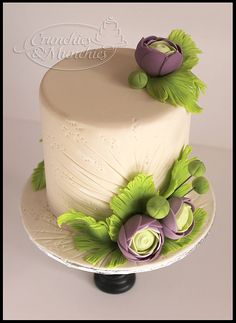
41 227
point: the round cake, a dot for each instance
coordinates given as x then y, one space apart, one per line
98 133
119 187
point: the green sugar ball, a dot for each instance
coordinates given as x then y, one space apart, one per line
200 185
196 168
158 207
138 79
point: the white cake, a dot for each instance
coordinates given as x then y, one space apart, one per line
98 133
119 186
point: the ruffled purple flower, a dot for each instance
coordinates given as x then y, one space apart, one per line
139 232
155 62
169 223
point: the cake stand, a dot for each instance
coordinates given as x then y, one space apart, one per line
57 243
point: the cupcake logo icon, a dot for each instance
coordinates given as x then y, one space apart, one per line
88 45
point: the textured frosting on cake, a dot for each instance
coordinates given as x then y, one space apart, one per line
98 133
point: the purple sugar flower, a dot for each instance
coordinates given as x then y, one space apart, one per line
158 56
179 221
141 238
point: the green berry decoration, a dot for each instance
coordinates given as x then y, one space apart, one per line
200 185
158 207
196 168
138 79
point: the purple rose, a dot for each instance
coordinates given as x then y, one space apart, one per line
179 221
158 56
141 238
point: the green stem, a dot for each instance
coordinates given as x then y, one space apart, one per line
182 184
189 191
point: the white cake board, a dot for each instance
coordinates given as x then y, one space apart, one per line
57 243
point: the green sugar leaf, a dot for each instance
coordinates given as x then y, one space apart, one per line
132 199
188 46
179 172
180 89
80 221
98 251
114 224
92 237
115 259
38 179
183 190
171 246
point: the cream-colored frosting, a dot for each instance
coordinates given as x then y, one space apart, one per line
98 133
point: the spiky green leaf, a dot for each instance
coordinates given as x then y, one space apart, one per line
180 89
188 46
179 173
133 198
92 237
114 224
38 179
115 259
98 252
80 221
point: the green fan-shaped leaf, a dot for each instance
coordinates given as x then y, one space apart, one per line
133 198
180 88
98 251
115 259
80 221
38 179
171 246
114 224
188 46
179 172
92 237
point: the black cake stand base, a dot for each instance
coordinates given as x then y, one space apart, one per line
114 284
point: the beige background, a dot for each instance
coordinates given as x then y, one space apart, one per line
198 287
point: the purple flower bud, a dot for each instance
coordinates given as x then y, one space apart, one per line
158 56
179 221
141 238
